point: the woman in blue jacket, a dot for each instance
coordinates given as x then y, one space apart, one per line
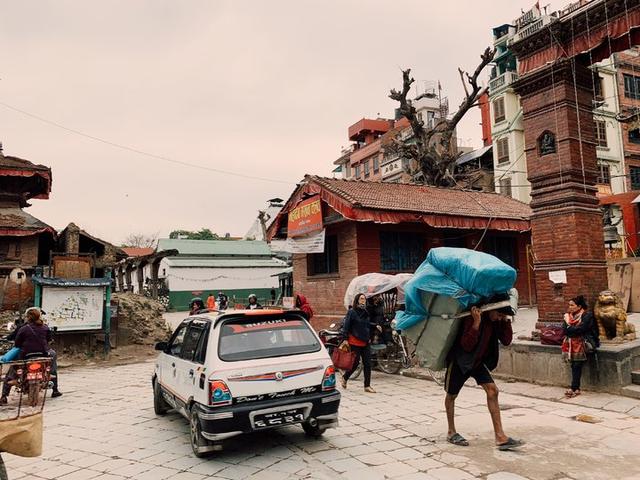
356 329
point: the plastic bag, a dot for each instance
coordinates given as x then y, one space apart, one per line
476 272
375 283
465 275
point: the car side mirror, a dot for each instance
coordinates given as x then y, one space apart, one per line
161 346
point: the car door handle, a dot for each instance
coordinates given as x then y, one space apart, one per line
173 365
191 372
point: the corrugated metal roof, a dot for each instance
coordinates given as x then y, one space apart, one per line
222 248
473 155
224 263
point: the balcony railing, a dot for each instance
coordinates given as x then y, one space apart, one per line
501 81
532 28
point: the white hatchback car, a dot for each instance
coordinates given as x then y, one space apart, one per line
240 371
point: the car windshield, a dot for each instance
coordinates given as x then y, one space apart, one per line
250 339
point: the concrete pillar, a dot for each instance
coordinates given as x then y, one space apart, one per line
566 224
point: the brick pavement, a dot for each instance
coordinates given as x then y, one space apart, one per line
104 428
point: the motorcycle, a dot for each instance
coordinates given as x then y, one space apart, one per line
32 377
388 357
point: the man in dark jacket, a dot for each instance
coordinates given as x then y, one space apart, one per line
474 355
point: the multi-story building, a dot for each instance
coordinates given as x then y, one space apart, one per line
369 156
616 85
507 131
627 65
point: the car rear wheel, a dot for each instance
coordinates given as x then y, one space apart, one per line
313 431
201 446
160 406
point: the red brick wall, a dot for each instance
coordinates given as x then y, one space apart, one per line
326 292
566 224
359 253
16 297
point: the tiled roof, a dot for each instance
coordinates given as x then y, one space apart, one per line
402 197
17 219
7 161
137 251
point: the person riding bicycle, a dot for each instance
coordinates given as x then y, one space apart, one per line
33 338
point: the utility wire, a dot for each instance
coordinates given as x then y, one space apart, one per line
141 152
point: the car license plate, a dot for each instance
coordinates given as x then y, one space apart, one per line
274 419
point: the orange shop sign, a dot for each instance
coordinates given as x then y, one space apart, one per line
305 218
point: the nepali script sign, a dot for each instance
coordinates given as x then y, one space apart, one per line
305 218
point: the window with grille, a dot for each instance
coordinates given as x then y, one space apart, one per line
366 169
505 186
376 164
503 150
357 172
604 174
601 132
634 173
498 110
400 251
632 87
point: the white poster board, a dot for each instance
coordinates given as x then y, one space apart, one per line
558 276
77 308
313 243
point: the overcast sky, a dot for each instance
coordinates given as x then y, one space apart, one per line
264 88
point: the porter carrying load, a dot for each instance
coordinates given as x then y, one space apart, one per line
447 284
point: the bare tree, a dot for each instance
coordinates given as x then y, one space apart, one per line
432 149
140 240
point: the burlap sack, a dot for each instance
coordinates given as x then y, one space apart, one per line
22 436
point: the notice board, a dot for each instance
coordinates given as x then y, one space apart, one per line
73 308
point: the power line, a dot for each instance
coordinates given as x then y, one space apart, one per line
142 152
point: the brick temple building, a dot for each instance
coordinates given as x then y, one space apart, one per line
390 227
25 241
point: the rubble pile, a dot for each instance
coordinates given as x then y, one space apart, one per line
7 316
140 319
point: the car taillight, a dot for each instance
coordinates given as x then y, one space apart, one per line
219 393
329 380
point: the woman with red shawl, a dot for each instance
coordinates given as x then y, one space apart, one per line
581 338
303 305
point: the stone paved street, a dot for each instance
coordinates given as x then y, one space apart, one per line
104 428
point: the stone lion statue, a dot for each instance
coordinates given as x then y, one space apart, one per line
612 318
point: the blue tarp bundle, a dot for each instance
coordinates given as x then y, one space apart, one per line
466 275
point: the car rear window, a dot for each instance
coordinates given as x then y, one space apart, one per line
250 339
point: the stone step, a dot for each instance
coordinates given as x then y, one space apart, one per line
632 391
635 377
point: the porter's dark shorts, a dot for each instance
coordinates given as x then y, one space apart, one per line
455 379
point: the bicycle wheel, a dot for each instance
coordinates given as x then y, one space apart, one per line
3 470
356 373
389 359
